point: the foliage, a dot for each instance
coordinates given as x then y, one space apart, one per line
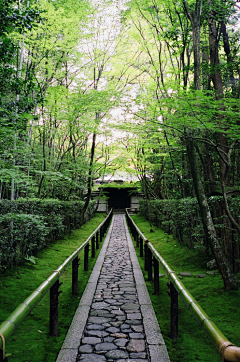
182 219
18 283
27 226
221 306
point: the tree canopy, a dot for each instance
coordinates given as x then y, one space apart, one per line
148 86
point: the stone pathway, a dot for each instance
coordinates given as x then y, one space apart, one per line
120 326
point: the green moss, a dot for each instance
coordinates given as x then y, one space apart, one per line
221 306
31 341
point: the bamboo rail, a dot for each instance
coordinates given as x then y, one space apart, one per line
8 327
228 352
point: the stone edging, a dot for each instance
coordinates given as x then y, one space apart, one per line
69 349
157 348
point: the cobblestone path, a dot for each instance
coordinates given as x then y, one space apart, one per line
114 330
115 320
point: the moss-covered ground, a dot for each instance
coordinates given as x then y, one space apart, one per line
31 341
221 306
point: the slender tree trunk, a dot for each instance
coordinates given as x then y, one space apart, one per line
195 18
90 173
44 163
229 279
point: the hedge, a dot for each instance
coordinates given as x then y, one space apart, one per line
182 218
28 225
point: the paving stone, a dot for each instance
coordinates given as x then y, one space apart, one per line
134 316
100 305
185 274
117 312
136 345
117 354
130 306
121 342
113 330
94 326
108 339
106 325
117 323
85 348
105 346
127 330
92 358
201 275
119 335
135 335
99 334
138 355
133 321
138 328
91 340
98 320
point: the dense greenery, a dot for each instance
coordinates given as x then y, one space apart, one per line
221 306
186 111
31 341
27 226
164 74
182 219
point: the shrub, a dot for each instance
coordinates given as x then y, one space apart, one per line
27 225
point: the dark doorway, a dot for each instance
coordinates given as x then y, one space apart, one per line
118 198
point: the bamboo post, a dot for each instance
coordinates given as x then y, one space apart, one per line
156 276
137 240
174 312
54 294
86 252
75 265
93 246
141 247
145 257
97 240
149 264
2 355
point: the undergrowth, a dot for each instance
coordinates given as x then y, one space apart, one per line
31 341
221 306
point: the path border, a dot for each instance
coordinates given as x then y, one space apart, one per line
69 349
156 345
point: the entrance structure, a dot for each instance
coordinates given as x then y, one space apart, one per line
117 194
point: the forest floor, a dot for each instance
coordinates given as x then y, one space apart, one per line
31 341
222 307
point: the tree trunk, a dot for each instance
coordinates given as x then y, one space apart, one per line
195 18
229 279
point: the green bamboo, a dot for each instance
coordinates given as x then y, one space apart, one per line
228 351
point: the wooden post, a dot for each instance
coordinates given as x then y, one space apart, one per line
101 234
145 257
54 293
86 252
75 265
137 240
174 312
149 264
97 240
156 276
141 247
2 357
93 246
